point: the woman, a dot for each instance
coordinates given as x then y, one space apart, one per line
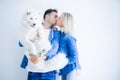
68 46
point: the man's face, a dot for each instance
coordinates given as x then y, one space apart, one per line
53 17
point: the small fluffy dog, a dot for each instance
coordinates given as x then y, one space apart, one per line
32 28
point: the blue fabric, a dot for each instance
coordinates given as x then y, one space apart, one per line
19 43
68 46
54 39
25 60
51 34
41 76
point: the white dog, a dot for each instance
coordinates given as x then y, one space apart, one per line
33 27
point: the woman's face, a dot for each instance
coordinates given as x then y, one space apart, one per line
60 22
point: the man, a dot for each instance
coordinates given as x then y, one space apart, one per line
50 19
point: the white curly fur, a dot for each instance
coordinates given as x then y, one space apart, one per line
32 27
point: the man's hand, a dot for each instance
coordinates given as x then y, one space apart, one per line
34 59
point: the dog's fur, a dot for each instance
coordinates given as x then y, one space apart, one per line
32 27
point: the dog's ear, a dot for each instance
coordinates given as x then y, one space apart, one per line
28 12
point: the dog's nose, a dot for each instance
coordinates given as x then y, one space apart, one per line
34 24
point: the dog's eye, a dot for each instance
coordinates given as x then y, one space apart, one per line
31 18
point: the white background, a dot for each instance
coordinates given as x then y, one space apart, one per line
97 25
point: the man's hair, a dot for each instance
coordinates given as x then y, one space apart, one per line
48 11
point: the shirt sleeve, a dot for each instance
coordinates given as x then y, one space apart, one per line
72 49
55 45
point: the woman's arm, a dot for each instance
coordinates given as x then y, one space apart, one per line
72 49
55 45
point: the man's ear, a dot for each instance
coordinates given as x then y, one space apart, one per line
47 16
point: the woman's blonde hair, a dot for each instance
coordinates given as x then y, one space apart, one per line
67 23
